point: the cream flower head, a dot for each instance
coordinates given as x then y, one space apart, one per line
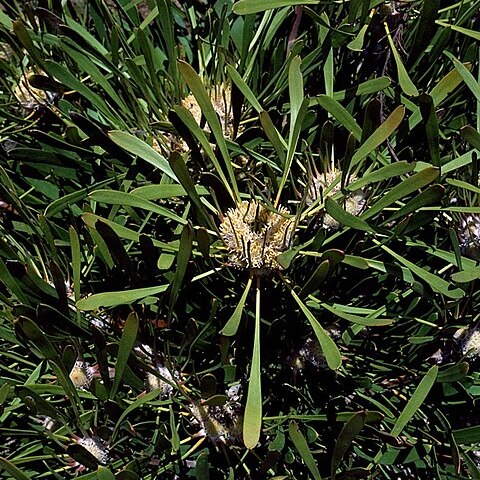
153 381
97 447
469 236
255 236
470 343
82 375
221 98
328 184
28 96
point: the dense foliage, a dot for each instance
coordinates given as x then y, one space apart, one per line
239 239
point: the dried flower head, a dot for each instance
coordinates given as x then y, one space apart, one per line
220 423
469 236
97 447
255 236
328 184
82 375
162 381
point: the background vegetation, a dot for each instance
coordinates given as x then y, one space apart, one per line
150 328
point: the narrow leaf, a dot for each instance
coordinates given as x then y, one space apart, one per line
302 447
329 349
127 341
138 147
252 424
379 135
233 322
415 401
111 299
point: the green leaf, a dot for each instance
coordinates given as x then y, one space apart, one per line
384 173
369 322
357 43
415 401
373 85
406 187
183 257
345 438
295 88
76 261
329 349
12 470
148 397
90 219
346 218
467 77
103 473
436 283
111 299
341 114
38 338
425 28
202 467
465 31
181 171
113 197
379 135
302 447
138 147
471 136
252 423
187 118
233 322
431 195
246 7
315 279
438 93
406 83
200 93
467 436
454 373
60 73
429 116
467 275
127 342
244 88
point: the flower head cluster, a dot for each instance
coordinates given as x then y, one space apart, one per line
162 381
470 343
469 235
221 423
221 99
28 96
82 374
255 236
97 447
323 184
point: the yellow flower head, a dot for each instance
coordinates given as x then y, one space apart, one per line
255 236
